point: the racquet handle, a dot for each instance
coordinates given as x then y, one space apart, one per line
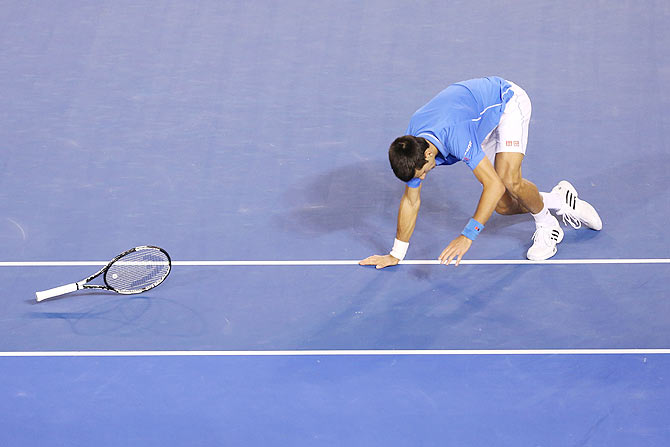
56 291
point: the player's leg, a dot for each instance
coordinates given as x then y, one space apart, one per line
512 139
512 136
507 205
524 195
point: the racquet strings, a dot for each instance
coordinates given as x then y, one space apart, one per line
138 270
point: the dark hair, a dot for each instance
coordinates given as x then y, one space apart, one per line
407 155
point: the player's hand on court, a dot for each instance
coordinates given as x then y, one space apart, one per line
456 249
380 261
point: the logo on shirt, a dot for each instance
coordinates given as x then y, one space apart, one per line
465 156
510 143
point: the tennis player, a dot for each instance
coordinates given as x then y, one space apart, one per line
484 123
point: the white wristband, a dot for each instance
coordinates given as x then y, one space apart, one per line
399 249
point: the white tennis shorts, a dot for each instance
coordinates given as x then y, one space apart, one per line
511 134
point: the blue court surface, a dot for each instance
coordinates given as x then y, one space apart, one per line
258 131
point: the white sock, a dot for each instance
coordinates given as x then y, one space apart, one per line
552 201
544 218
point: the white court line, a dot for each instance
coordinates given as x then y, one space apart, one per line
363 352
346 262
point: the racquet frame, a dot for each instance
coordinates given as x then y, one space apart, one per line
83 284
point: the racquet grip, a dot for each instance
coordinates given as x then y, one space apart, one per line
56 291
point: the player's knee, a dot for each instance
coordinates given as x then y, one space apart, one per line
512 183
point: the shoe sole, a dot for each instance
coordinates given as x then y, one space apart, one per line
542 259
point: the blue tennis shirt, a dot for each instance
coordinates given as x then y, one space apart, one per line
459 118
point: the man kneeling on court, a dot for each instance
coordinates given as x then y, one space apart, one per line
484 123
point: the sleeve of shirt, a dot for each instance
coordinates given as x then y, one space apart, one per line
414 183
463 144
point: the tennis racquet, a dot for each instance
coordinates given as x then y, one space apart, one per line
133 271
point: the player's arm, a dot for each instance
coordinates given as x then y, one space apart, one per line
493 190
407 214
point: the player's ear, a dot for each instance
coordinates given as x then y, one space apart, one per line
428 154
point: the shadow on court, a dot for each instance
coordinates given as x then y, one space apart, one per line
128 315
363 198
436 311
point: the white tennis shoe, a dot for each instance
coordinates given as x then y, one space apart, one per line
576 211
545 239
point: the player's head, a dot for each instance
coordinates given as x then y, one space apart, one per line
408 156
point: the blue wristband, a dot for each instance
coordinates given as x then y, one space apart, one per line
472 229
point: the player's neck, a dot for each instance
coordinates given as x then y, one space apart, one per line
432 148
